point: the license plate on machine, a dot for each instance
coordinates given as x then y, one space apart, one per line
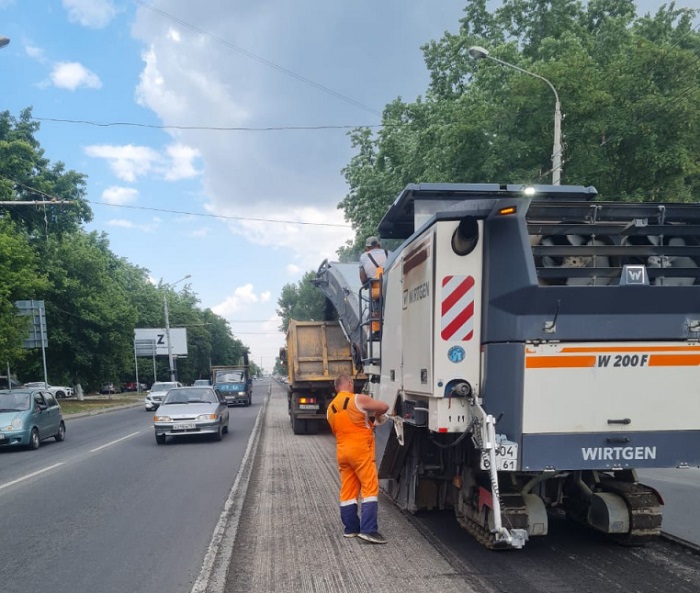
506 457
308 406
184 426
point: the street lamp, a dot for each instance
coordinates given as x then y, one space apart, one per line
167 325
479 53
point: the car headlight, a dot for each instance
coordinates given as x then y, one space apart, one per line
16 424
241 393
162 419
207 417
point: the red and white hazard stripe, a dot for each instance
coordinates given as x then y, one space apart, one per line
457 314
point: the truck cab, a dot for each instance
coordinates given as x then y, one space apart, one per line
233 384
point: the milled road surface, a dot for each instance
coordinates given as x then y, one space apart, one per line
290 537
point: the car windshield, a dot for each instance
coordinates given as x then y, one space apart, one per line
17 401
162 386
229 377
190 396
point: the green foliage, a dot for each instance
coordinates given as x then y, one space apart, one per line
93 299
629 89
301 301
20 279
26 175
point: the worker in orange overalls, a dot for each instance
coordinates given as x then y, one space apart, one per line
348 415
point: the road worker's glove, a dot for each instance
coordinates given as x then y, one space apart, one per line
381 419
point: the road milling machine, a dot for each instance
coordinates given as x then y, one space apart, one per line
537 347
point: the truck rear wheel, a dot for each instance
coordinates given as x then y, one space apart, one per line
298 425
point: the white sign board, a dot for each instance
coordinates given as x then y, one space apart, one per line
178 339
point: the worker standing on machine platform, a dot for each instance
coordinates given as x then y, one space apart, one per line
348 416
372 259
372 263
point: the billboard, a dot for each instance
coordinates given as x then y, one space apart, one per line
178 339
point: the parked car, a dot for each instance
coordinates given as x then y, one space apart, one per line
201 383
187 411
58 392
29 416
157 393
108 388
133 386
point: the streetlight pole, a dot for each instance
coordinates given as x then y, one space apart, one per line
479 53
167 325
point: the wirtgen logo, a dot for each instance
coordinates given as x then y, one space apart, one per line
617 453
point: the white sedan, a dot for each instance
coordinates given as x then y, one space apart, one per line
59 392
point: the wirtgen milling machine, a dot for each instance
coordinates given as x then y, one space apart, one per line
536 348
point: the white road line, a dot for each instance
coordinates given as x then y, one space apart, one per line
36 473
133 434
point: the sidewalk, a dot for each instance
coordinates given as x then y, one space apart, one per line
289 538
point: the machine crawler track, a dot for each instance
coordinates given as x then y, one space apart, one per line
644 505
514 516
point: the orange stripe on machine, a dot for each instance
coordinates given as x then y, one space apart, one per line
615 359
555 362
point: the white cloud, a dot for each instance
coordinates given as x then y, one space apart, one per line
129 162
242 297
72 75
265 296
128 224
36 53
121 222
181 159
95 14
293 270
119 195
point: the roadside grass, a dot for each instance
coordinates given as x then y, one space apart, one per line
97 402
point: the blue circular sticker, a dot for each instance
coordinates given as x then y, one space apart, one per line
456 354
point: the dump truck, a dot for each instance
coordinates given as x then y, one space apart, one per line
316 353
233 383
537 347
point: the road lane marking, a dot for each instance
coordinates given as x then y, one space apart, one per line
133 434
36 473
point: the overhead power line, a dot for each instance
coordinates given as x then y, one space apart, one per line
283 128
53 200
220 216
257 58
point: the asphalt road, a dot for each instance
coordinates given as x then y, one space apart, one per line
109 510
289 540
680 490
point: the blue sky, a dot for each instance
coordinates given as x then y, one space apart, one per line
205 202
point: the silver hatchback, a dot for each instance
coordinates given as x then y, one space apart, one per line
188 411
157 393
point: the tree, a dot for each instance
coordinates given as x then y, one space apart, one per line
26 175
20 279
301 301
629 88
94 299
